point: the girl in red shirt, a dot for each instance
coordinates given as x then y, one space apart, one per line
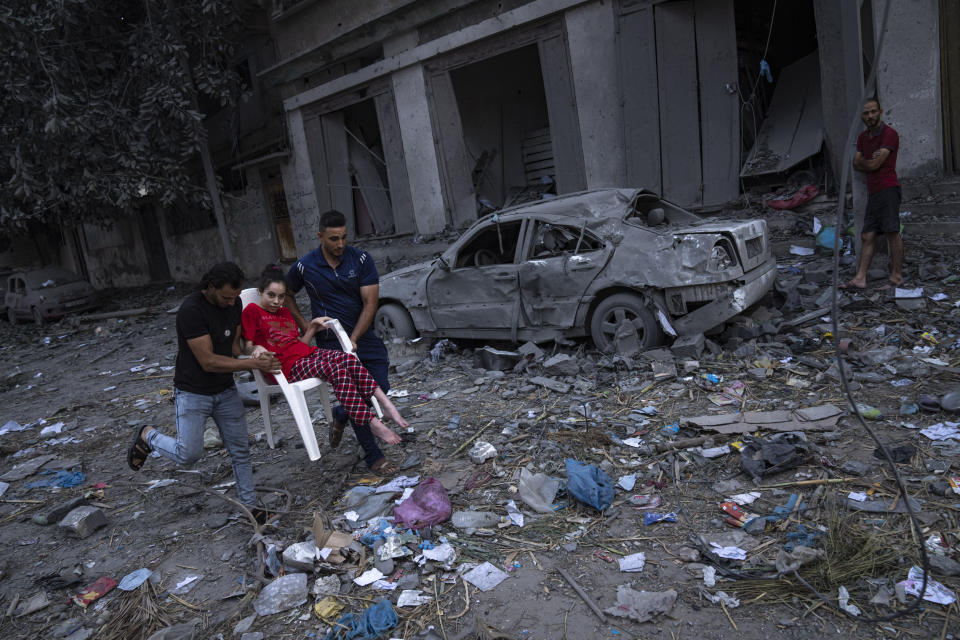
271 327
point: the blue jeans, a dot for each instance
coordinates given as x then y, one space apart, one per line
226 409
373 356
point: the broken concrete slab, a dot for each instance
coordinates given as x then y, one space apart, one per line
56 513
28 468
729 423
531 351
561 364
83 521
688 346
496 359
549 383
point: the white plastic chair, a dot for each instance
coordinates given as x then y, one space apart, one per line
294 391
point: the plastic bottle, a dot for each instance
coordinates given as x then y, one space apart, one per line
474 519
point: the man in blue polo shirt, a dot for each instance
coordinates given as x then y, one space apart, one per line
343 283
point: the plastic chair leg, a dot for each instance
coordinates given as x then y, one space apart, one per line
298 406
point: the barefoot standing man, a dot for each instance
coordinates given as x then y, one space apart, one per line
343 283
877 157
208 338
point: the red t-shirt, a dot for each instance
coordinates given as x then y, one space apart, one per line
277 332
884 176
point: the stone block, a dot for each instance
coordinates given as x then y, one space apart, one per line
561 364
57 512
82 521
492 359
688 346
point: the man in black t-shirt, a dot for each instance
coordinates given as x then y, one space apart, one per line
208 341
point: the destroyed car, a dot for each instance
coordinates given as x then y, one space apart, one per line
46 294
622 266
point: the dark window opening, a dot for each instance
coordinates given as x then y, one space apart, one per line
493 245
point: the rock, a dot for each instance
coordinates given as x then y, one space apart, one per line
855 468
688 346
286 592
561 365
83 521
531 352
553 385
244 625
385 567
300 556
944 566
183 631
818 276
253 635
57 513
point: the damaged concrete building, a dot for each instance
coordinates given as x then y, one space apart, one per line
415 116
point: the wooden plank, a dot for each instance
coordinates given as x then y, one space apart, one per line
338 167
399 181
719 103
370 184
679 113
562 113
637 60
455 169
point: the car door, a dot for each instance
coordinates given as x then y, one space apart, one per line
560 263
478 294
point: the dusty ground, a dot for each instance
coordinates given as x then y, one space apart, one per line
84 377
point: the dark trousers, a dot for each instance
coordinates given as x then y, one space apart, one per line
373 355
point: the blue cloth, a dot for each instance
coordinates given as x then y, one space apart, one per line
335 292
367 626
226 409
59 478
589 484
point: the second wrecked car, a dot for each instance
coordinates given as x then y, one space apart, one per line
611 264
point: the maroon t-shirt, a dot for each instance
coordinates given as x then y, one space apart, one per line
277 332
884 176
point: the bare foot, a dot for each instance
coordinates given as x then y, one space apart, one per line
854 284
383 432
392 413
896 281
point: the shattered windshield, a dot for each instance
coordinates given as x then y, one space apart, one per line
652 211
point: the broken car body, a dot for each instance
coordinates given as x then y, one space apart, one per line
603 263
46 294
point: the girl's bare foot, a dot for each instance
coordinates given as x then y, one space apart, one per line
389 409
383 432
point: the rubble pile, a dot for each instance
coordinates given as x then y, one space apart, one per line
545 490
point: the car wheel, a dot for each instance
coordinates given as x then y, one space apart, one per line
11 315
612 311
393 321
38 318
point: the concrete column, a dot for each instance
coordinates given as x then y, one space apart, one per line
299 186
593 58
908 83
416 132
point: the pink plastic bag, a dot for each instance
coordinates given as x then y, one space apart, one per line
428 505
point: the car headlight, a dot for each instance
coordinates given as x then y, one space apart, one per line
720 259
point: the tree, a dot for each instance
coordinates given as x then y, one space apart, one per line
98 109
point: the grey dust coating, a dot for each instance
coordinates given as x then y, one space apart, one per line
612 264
45 294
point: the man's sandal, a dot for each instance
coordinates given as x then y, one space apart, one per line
138 451
336 433
384 467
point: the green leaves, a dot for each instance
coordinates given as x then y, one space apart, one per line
95 107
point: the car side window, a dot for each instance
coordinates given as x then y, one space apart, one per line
494 244
550 240
17 286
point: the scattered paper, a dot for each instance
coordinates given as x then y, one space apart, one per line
745 498
368 577
485 577
937 297
627 483
942 431
633 563
412 598
858 496
935 592
733 553
908 293
398 484
633 442
843 599
801 251
516 517
352 516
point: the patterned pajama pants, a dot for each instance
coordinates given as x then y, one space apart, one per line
351 382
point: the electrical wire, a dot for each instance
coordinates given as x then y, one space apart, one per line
924 560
